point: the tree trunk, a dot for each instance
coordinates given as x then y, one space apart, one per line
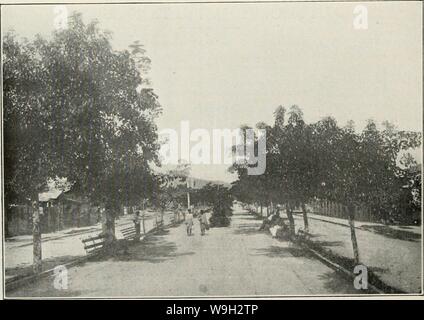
59 216
261 209
289 213
36 238
351 217
137 229
305 217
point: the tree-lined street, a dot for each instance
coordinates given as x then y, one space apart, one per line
95 169
172 264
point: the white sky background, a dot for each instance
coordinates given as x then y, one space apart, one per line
223 65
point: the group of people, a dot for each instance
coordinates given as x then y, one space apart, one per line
203 222
188 219
275 224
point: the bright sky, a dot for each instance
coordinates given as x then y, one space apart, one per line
223 65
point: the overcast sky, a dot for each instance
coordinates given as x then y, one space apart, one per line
222 65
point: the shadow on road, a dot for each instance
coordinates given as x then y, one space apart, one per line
336 283
248 229
154 249
328 243
284 252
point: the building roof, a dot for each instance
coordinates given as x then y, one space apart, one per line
54 190
52 194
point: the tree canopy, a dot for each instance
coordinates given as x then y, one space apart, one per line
76 108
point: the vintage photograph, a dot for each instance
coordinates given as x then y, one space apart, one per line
212 149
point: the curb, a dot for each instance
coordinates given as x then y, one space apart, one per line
15 283
339 268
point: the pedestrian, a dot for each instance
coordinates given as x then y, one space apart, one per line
203 222
136 220
184 214
179 213
277 211
189 222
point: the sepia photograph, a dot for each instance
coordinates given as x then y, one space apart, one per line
219 150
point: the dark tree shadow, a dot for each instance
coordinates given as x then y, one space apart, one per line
284 252
154 248
248 229
392 233
328 243
337 283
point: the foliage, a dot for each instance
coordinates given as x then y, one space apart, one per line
75 108
170 188
325 161
220 199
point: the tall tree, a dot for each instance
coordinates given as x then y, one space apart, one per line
83 114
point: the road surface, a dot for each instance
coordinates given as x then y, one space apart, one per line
234 261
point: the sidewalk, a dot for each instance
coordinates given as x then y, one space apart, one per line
59 247
392 252
402 232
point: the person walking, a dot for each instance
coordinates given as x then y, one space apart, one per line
136 220
189 222
203 222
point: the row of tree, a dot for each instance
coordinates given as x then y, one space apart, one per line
75 108
220 199
322 160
